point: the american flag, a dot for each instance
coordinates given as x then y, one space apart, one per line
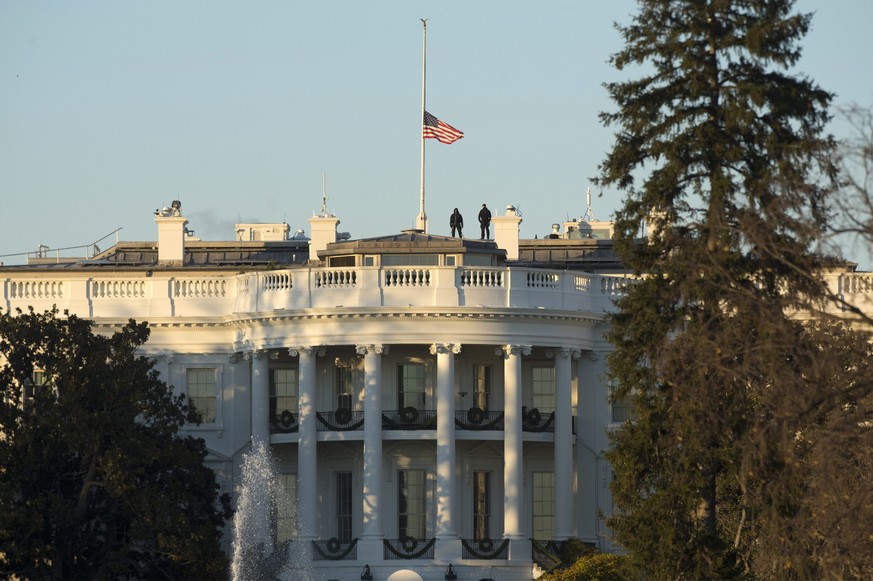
436 129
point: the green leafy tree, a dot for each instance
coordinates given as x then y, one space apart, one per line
724 159
95 479
593 566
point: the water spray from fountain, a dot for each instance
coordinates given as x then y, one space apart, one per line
262 499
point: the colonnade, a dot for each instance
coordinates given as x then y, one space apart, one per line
445 493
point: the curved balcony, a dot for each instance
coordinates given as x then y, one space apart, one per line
172 294
341 420
484 549
478 419
408 548
409 418
334 549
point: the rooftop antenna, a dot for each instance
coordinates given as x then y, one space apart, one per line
323 213
588 217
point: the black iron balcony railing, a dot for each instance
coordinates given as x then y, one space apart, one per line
408 548
476 418
334 549
284 422
485 549
535 421
409 418
546 554
341 420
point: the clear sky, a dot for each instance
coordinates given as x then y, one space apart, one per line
111 109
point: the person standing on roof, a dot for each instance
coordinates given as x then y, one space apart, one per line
485 222
456 221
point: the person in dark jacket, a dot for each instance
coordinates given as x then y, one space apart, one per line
456 221
485 222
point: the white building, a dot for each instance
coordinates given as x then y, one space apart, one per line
429 400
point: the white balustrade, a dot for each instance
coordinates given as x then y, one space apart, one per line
278 281
330 287
200 288
856 283
543 279
582 283
406 277
335 278
477 277
36 289
117 289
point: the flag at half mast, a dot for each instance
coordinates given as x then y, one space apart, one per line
436 129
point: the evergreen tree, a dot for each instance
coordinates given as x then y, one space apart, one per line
95 480
734 172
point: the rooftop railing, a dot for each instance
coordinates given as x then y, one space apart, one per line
149 294
154 294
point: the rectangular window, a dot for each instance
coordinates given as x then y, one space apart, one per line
543 388
481 505
343 382
344 506
543 510
37 379
410 385
202 395
283 392
412 504
622 409
286 508
342 261
481 386
451 260
410 259
477 260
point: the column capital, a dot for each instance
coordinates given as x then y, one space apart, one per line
508 350
565 352
444 348
234 357
311 350
373 349
254 354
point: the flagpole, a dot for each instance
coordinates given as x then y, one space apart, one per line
421 220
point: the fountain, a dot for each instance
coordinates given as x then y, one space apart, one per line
256 555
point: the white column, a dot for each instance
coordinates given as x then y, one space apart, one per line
592 421
372 476
307 487
446 525
513 466
563 445
260 396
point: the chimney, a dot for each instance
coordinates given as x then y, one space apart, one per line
506 231
323 232
171 234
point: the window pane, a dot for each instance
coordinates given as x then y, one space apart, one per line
622 409
481 385
286 508
411 496
481 505
283 391
543 388
343 382
344 506
410 385
543 505
410 260
200 385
